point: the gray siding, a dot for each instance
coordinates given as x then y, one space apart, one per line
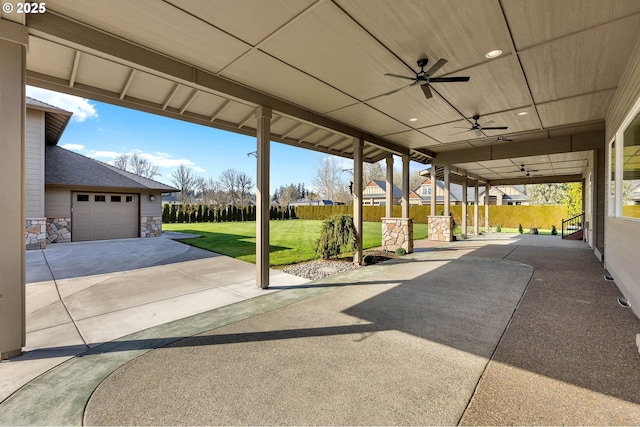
34 164
622 235
149 208
57 203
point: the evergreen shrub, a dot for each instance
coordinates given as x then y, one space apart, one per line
337 235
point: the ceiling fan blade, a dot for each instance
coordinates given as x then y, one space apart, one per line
426 90
483 125
399 76
478 133
448 79
495 128
435 67
458 133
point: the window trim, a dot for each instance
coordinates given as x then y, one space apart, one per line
619 136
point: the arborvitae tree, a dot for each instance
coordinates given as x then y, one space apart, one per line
223 215
173 216
205 214
212 214
165 213
199 219
180 215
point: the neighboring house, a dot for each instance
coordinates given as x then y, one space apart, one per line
374 194
498 195
634 197
70 197
505 195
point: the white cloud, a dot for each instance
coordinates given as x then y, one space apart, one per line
70 146
104 154
165 160
199 169
80 107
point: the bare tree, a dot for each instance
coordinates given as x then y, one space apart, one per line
373 171
122 161
134 163
184 179
328 178
245 184
229 181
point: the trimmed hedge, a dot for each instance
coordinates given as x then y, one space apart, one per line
507 216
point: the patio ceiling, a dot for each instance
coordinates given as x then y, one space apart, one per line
321 66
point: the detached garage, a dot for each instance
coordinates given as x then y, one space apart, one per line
70 197
96 201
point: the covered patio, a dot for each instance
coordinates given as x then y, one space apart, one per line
323 75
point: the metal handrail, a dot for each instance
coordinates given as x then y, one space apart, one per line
572 225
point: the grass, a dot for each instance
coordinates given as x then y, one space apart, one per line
291 241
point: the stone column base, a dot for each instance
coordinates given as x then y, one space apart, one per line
441 228
36 233
397 233
150 226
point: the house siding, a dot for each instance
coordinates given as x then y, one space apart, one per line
34 164
622 235
57 203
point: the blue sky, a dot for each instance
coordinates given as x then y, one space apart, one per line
104 131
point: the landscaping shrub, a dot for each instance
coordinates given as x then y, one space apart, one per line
338 235
401 252
520 230
554 232
498 228
370 259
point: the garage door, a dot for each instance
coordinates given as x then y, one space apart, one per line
99 216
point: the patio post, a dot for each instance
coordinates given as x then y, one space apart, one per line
486 207
432 176
14 39
476 206
357 197
263 115
389 194
464 204
405 186
447 191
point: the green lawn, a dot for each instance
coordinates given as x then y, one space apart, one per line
292 241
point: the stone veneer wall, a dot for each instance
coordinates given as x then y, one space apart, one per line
441 228
150 226
36 233
59 230
397 233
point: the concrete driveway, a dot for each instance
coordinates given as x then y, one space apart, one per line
80 295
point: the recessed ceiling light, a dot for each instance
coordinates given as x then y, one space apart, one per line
522 113
413 119
493 53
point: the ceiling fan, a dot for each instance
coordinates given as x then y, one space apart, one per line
528 171
424 79
479 127
503 139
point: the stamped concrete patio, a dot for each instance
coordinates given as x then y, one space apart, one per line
497 330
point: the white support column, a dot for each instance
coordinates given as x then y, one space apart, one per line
389 199
13 42
464 205
447 192
476 207
357 197
434 189
486 207
405 186
263 114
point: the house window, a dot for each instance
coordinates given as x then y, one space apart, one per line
82 197
612 178
426 190
129 199
100 198
630 158
116 199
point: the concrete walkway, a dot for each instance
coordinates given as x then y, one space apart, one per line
465 332
81 295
